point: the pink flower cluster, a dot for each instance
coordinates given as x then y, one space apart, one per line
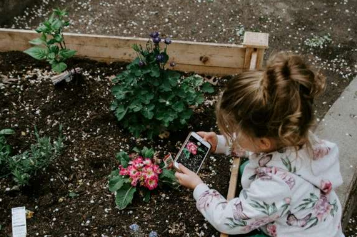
142 171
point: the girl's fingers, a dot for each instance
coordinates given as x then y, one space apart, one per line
183 169
203 135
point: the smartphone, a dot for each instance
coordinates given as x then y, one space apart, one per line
193 152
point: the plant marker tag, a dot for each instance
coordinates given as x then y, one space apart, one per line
168 160
19 222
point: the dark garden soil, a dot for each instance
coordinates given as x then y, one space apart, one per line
93 137
92 132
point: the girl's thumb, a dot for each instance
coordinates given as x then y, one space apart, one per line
184 169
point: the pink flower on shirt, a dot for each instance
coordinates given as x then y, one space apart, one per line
206 198
271 228
322 207
326 186
320 150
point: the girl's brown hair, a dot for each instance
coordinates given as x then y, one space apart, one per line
275 103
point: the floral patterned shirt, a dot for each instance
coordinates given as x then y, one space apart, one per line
285 193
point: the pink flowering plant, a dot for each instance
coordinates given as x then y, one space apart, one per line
140 171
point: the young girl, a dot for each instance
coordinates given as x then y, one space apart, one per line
289 182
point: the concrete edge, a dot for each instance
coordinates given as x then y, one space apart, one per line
340 126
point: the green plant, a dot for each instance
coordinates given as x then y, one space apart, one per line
151 99
140 172
5 149
23 166
318 41
54 50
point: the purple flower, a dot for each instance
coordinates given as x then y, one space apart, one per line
154 34
160 58
141 63
167 41
156 40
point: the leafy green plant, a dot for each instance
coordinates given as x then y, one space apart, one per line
318 41
23 166
140 172
54 48
5 149
151 99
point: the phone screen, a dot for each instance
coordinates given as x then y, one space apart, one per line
192 154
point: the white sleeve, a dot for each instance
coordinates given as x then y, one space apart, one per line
264 202
225 147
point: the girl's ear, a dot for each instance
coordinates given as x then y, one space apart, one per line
265 144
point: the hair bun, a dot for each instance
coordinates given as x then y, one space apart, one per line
291 68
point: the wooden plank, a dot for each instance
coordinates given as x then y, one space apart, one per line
186 55
233 183
256 40
253 61
260 58
247 58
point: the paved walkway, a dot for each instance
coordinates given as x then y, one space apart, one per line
340 126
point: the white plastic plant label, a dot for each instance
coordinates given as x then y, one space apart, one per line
19 222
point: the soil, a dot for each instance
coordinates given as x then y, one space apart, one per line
93 137
290 23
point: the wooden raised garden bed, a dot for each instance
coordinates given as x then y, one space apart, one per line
202 58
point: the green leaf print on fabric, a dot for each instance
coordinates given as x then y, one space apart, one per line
312 222
232 223
264 207
334 208
308 203
288 164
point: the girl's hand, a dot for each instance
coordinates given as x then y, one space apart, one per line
210 137
187 178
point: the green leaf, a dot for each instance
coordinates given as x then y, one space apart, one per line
7 131
120 112
67 53
58 38
54 49
37 41
116 183
42 29
146 195
147 111
207 88
168 176
56 24
148 153
37 52
155 71
73 194
59 67
124 196
123 158
179 106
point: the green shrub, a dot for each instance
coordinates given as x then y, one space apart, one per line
23 166
54 50
151 99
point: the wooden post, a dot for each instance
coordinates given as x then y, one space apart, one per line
233 182
256 44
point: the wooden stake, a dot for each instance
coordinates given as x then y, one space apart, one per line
233 183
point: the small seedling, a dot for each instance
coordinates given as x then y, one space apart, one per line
53 48
318 41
